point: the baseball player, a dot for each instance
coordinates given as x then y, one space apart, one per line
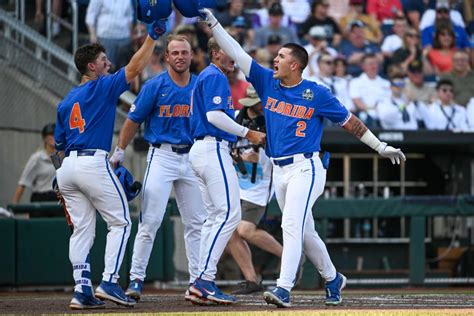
213 128
256 190
163 104
83 135
294 111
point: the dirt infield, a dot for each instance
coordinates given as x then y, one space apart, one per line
160 301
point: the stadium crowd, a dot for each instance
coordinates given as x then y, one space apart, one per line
414 56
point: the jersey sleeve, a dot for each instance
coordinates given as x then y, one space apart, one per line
260 77
60 132
328 106
144 103
216 92
115 84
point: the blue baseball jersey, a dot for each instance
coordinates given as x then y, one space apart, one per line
86 116
294 116
211 92
165 108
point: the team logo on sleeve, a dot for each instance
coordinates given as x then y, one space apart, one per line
132 108
308 94
217 100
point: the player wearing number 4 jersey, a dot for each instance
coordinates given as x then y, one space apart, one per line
294 112
83 135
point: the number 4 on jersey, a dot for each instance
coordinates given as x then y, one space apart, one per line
76 120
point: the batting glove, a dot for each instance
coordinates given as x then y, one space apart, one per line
157 29
394 154
118 157
208 18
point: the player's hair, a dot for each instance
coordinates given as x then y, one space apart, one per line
299 53
444 82
179 38
87 54
212 46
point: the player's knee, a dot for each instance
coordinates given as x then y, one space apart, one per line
246 229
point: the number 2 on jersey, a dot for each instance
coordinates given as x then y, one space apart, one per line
76 120
301 128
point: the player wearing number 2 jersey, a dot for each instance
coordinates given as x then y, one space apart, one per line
83 135
294 111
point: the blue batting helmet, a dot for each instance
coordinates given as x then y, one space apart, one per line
149 11
131 188
189 8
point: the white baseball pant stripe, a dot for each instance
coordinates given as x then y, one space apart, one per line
87 184
297 186
212 164
167 170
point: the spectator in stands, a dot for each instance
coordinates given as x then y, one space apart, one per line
317 45
385 11
39 171
110 23
416 89
371 27
340 68
397 112
357 47
56 8
445 114
394 41
339 9
410 50
238 30
462 77
287 34
297 10
262 56
470 114
443 7
319 16
238 87
339 86
442 18
273 46
261 16
440 56
416 8
368 90
235 9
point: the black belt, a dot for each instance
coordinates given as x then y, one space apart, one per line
290 160
219 139
83 152
178 150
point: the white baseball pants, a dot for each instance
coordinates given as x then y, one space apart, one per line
166 170
297 186
212 164
87 184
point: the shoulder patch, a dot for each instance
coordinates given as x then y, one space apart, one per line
133 108
217 100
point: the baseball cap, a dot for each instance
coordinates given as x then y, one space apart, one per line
415 66
275 9
48 129
252 97
356 23
442 4
274 39
317 32
239 21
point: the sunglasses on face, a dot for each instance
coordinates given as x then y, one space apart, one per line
445 34
328 62
442 11
412 35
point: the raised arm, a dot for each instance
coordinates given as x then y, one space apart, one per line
359 130
142 57
228 44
